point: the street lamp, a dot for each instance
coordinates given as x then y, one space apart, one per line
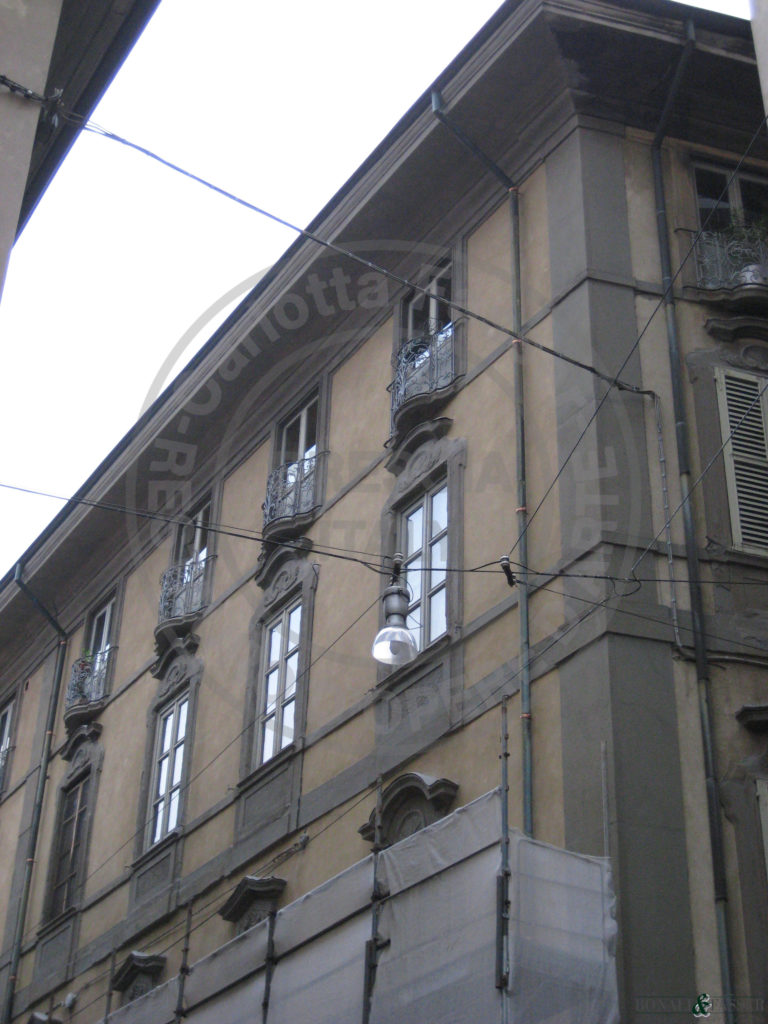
395 644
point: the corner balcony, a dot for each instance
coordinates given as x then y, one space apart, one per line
733 266
292 497
181 590
425 368
87 688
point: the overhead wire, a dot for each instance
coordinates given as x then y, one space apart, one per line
219 753
633 348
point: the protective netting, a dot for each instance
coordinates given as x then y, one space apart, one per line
438 924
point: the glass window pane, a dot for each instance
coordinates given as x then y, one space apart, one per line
437 620
173 810
268 739
157 826
287 724
275 643
413 578
714 205
438 553
271 694
291 671
413 531
294 627
291 436
754 201
167 738
439 512
178 764
310 436
182 729
413 621
162 776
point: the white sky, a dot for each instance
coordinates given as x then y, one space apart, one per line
278 103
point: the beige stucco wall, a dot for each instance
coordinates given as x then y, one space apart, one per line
243 492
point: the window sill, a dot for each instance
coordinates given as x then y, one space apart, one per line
424 659
270 767
157 848
55 923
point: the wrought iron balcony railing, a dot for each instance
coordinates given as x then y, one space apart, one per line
290 490
181 589
731 259
88 681
424 365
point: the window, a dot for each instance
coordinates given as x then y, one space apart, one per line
88 681
425 363
733 216
278 682
743 403
425 546
726 199
183 584
6 721
291 487
428 312
69 856
168 768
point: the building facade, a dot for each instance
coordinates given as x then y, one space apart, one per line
533 326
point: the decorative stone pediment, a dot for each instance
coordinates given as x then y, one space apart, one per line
81 747
252 901
170 644
408 804
279 568
137 975
424 433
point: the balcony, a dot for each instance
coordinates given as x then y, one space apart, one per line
733 265
87 687
425 368
291 496
181 590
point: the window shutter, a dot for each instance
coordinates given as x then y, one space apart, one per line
746 457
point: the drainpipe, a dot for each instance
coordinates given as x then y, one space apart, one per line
521 578
34 827
691 551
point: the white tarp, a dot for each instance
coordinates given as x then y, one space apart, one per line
438 926
563 936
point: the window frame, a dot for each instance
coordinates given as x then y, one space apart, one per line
82 785
420 622
179 674
270 665
7 708
733 182
282 465
288 580
444 270
174 785
738 498
85 757
424 464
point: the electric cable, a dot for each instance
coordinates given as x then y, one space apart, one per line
300 679
639 338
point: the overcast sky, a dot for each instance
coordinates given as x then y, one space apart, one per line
278 103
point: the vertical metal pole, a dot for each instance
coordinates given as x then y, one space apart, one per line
181 1013
108 1007
522 519
503 965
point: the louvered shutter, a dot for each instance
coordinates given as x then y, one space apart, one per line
743 423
